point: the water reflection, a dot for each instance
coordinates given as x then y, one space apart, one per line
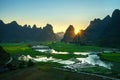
46 49
91 61
94 59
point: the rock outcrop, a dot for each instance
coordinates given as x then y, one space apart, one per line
69 34
13 32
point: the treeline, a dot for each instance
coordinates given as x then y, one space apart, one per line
105 32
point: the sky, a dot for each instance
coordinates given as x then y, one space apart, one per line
59 13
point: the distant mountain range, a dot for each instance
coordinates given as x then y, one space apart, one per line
59 35
105 32
13 32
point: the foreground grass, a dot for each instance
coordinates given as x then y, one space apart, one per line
114 57
60 46
97 70
45 71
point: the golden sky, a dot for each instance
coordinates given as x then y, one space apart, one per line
59 13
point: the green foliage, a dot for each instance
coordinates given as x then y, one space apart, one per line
15 49
67 47
23 49
115 57
19 49
97 69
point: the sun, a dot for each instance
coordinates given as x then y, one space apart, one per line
76 31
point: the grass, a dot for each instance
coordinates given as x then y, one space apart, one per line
114 57
61 46
44 71
19 49
97 70
23 49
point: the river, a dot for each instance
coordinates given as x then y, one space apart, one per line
90 61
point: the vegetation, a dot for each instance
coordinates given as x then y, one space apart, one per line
97 69
24 49
46 68
67 47
19 49
45 71
115 57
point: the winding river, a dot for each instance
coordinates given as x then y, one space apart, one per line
74 63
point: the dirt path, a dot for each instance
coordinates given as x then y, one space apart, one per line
35 73
104 77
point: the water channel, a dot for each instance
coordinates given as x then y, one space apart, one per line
90 61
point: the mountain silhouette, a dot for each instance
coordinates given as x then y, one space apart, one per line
105 32
59 35
96 29
80 38
13 32
102 32
69 34
111 36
